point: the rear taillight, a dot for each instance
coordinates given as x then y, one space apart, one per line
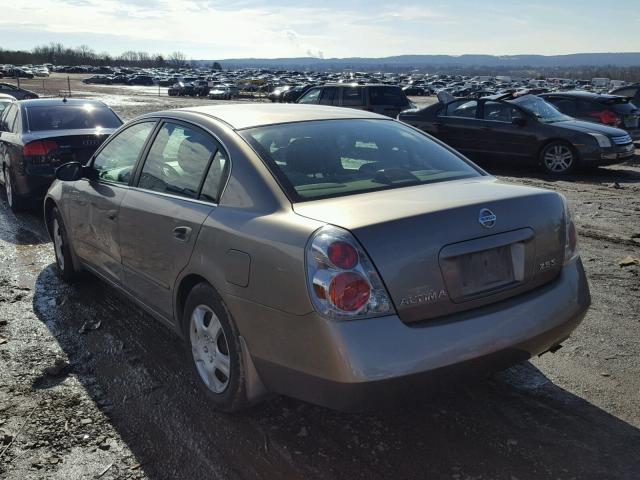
39 148
607 117
571 236
343 283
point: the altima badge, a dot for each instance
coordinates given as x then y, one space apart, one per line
487 218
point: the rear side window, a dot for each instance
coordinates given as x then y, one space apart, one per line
388 96
352 97
71 117
9 119
311 96
116 160
329 96
177 161
214 183
461 108
499 112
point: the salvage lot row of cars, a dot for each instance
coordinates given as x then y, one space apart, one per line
329 254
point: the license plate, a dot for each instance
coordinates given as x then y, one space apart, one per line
486 270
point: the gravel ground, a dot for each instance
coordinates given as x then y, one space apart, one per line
92 387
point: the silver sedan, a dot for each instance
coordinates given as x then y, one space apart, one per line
333 255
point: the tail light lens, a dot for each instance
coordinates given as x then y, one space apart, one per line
39 148
607 117
343 283
571 236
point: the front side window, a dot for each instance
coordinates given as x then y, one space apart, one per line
311 96
320 159
352 97
499 112
116 161
177 161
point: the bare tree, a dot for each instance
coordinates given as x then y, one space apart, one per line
178 59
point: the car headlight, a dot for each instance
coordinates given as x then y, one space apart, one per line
602 140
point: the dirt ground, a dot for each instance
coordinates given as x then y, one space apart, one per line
91 387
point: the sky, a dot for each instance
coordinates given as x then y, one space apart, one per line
212 29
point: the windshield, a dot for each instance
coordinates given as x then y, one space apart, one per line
71 117
331 158
543 111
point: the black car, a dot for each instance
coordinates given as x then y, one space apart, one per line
15 92
386 100
141 80
521 129
37 136
613 110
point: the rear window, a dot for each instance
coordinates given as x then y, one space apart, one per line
388 96
71 117
331 158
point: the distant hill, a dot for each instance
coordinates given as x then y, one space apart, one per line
403 62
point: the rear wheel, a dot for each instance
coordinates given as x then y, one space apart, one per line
16 202
558 158
213 349
61 247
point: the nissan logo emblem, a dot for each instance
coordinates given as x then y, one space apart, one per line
487 218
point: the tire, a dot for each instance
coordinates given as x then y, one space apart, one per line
15 202
558 158
62 248
213 349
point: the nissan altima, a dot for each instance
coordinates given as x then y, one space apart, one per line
333 255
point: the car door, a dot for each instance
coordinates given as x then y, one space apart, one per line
458 126
160 217
504 131
93 204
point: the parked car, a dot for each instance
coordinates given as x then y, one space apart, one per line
98 80
15 92
220 92
523 129
613 110
141 80
5 101
414 91
383 99
37 136
332 255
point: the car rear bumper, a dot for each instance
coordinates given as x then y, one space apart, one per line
33 186
382 361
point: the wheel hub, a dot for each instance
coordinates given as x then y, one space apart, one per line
209 349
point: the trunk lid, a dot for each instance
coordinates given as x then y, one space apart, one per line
434 255
71 146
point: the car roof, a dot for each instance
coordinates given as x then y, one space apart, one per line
49 102
580 94
247 115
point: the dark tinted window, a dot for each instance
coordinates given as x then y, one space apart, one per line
626 92
388 96
499 112
71 117
214 183
177 161
330 158
565 105
311 96
352 97
329 96
117 159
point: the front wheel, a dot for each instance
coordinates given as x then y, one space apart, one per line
62 249
558 158
213 349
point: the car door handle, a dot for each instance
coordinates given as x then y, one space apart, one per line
182 233
112 214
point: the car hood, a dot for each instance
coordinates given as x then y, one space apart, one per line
589 127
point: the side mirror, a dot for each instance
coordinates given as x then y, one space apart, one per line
519 121
69 172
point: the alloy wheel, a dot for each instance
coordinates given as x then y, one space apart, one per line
210 349
58 243
558 158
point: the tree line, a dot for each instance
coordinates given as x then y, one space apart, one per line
58 54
